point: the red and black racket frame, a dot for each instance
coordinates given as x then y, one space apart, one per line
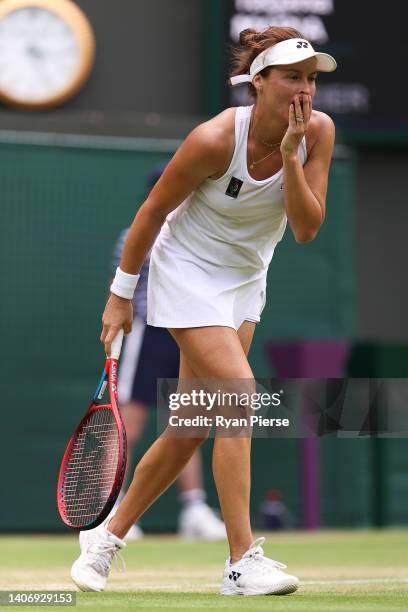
109 378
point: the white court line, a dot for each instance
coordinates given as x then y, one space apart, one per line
215 585
357 581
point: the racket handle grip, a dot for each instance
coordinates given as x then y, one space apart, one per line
117 345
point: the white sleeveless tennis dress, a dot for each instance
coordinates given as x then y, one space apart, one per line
209 263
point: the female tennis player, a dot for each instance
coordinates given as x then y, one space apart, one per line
215 217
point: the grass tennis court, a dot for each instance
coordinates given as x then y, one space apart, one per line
339 570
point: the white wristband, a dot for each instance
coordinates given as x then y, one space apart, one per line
124 284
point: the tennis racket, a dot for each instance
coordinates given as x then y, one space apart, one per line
93 466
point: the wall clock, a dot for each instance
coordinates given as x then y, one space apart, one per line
47 50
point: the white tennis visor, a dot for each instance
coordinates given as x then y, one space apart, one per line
289 51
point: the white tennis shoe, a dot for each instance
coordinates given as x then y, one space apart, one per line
200 522
98 549
255 574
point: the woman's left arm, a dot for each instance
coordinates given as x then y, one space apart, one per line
305 187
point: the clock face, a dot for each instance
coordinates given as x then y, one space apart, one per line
39 54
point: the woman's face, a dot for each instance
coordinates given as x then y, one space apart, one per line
284 83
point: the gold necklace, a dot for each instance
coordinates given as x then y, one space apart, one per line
276 146
255 163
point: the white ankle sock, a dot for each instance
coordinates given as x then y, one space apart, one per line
193 497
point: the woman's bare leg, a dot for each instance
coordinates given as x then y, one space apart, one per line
212 352
134 415
229 452
155 472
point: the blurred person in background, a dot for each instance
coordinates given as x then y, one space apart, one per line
215 217
150 353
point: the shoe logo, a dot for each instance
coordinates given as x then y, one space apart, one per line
234 576
234 187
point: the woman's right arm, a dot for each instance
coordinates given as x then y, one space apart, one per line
204 153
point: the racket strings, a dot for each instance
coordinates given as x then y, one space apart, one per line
92 468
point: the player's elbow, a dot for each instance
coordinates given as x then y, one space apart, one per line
305 236
306 232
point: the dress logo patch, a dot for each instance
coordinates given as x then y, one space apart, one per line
234 187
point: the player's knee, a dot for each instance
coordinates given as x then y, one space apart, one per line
235 396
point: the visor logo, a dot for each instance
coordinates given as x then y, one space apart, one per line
302 44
